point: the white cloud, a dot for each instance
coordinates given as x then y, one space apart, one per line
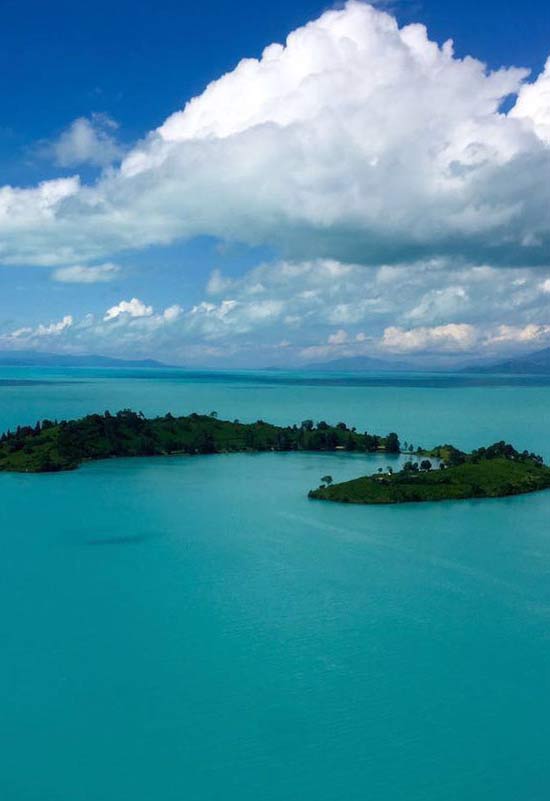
450 337
439 304
533 105
85 141
133 308
338 338
217 283
28 335
357 139
79 274
55 328
498 312
514 334
231 317
172 313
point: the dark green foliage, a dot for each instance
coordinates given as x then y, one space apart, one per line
392 443
371 442
49 446
491 472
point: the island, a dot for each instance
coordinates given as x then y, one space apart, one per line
493 472
51 446
443 473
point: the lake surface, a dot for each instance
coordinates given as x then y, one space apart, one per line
196 628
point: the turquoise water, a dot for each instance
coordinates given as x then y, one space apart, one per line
177 628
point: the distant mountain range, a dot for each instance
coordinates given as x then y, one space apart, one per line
537 363
367 364
24 358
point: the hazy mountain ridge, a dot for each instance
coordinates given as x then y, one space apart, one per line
24 358
537 362
368 363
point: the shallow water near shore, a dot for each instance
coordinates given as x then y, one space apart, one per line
197 628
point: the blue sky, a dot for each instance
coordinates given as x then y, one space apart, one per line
307 226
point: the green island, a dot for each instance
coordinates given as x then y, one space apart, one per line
52 446
493 472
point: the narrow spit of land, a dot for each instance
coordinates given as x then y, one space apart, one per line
52 446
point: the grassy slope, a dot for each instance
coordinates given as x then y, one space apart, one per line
488 478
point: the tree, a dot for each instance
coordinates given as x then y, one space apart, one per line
327 480
425 465
307 425
371 441
392 443
214 415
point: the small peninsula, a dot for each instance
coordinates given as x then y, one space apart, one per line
493 472
52 446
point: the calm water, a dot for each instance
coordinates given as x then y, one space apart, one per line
196 629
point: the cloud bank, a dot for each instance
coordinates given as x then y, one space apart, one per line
297 312
356 140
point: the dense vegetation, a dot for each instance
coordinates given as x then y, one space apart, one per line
487 472
51 446
491 472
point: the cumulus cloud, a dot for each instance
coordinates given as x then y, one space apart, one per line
315 297
133 308
338 338
129 327
451 337
530 334
55 328
87 140
440 304
28 335
533 105
172 313
79 274
356 139
291 312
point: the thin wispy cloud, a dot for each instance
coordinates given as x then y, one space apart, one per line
87 140
80 274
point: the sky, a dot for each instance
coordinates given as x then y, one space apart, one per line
262 184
